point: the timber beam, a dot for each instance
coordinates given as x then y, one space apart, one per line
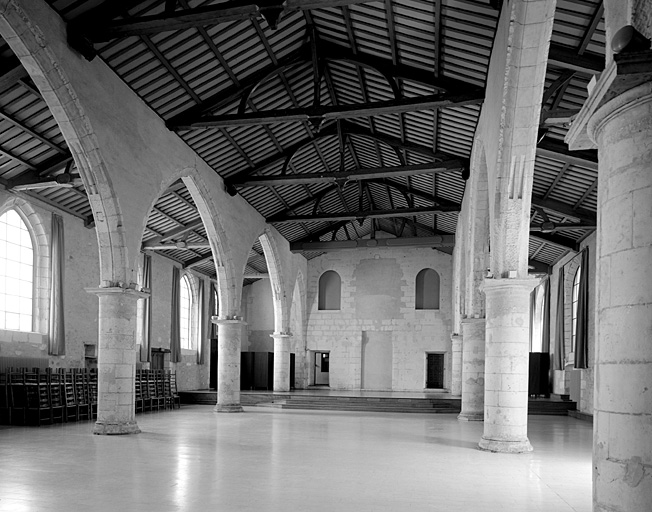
94 28
568 58
175 233
366 243
332 112
356 174
362 214
559 151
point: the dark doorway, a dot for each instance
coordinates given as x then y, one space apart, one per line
212 383
435 371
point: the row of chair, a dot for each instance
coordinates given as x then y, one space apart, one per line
156 390
35 396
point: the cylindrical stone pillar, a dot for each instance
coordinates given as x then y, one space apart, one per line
456 365
473 347
506 365
281 361
622 414
229 337
116 360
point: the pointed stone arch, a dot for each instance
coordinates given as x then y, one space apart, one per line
26 39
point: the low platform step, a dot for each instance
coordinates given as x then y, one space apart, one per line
427 405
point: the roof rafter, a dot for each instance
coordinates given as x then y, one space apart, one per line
362 214
355 174
327 112
94 28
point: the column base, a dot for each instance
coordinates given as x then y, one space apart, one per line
228 408
102 428
471 416
493 445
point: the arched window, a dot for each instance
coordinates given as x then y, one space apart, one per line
185 313
330 286
537 319
16 273
427 289
576 291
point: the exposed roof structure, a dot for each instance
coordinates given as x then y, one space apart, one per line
335 119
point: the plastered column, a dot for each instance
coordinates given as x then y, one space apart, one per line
473 349
456 365
116 361
229 338
506 365
622 427
281 361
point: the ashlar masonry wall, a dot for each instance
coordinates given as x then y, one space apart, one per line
563 379
378 336
81 271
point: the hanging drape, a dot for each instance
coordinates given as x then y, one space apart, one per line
57 338
559 324
202 321
175 320
146 320
582 332
545 328
212 310
533 309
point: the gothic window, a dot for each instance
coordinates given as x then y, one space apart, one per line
576 291
16 273
185 312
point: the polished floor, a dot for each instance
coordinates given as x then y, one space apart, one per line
273 460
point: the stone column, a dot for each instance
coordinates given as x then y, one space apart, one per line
506 365
456 365
229 337
116 360
622 431
473 348
281 361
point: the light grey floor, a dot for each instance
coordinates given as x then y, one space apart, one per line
274 460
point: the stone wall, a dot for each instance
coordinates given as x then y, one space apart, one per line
378 296
81 271
562 379
258 312
190 375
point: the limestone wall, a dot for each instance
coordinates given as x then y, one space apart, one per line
81 270
562 380
258 312
378 309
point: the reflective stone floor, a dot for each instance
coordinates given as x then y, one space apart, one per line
274 460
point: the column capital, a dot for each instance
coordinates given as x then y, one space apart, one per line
281 335
118 290
473 320
227 321
497 285
625 83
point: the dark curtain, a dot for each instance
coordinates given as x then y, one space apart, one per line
533 308
57 338
582 332
545 328
175 318
559 323
202 321
146 283
212 310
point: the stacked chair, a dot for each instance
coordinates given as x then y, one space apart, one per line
31 396
156 390
36 397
